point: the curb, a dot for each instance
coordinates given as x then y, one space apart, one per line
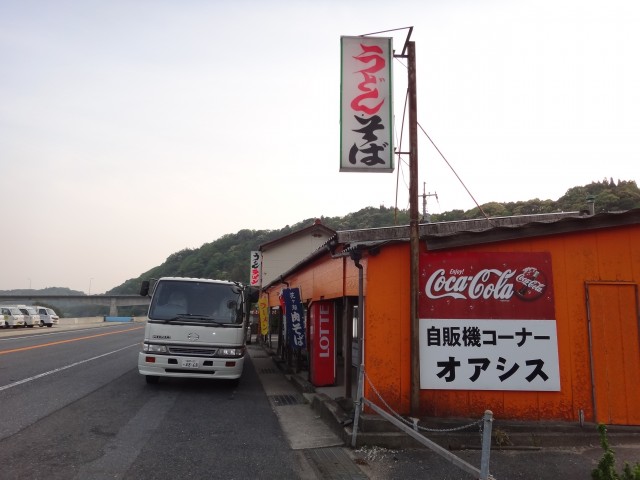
507 435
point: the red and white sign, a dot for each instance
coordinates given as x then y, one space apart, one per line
322 342
486 285
366 107
256 269
487 322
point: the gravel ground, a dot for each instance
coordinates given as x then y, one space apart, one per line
547 463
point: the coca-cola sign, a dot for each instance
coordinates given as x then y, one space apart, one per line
486 285
532 283
487 322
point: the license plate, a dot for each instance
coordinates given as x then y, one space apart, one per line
190 364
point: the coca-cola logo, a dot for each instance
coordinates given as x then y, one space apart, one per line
531 283
486 284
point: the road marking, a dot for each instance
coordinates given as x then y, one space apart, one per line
38 333
22 349
60 369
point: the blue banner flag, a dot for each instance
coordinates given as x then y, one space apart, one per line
294 313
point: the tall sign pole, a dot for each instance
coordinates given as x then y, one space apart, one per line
366 145
414 234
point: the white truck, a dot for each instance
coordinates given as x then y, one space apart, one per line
195 328
48 316
31 317
11 316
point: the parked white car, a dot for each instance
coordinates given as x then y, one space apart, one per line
47 316
12 316
31 317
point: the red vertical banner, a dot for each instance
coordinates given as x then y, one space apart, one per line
323 342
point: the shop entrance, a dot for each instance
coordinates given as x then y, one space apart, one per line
612 311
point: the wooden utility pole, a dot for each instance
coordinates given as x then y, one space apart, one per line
414 216
425 217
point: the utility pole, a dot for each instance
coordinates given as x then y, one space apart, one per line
425 216
414 234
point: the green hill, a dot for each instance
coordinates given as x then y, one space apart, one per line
227 258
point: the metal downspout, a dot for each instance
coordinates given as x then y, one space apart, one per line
356 256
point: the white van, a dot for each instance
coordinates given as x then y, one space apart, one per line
12 316
31 317
48 316
195 328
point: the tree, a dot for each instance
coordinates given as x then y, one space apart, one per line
227 257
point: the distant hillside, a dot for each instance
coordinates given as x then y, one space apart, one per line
227 258
42 291
62 307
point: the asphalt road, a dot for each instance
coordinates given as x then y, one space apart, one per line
73 406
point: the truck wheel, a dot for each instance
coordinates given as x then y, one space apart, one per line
151 379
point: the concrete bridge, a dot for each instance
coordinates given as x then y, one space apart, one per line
112 301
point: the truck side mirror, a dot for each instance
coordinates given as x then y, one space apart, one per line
144 288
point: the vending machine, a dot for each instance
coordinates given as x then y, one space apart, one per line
322 333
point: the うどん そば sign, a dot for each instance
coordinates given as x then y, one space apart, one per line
366 106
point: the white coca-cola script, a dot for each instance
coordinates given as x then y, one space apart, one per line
487 283
529 279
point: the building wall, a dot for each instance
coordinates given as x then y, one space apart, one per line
281 257
387 327
328 278
607 259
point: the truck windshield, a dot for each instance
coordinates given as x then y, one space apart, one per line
206 303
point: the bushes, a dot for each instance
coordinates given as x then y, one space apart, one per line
606 469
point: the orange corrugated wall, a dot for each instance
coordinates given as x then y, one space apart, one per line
608 255
328 278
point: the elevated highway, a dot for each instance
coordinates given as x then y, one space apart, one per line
112 301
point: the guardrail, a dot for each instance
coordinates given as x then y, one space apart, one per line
394 418
101 319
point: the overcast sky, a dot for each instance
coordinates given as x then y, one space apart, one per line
130 130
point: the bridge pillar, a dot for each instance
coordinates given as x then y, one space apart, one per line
113 308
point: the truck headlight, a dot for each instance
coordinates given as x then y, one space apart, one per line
230 352
153 348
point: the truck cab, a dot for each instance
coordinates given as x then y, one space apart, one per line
12 316
47 315
195 328
31 317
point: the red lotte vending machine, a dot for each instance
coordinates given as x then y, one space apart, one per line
322 333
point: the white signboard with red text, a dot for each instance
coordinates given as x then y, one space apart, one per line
256 268
366 107
487 322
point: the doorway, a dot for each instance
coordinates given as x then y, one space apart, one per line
614 337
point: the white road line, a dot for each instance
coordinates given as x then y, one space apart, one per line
40 375
59 332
